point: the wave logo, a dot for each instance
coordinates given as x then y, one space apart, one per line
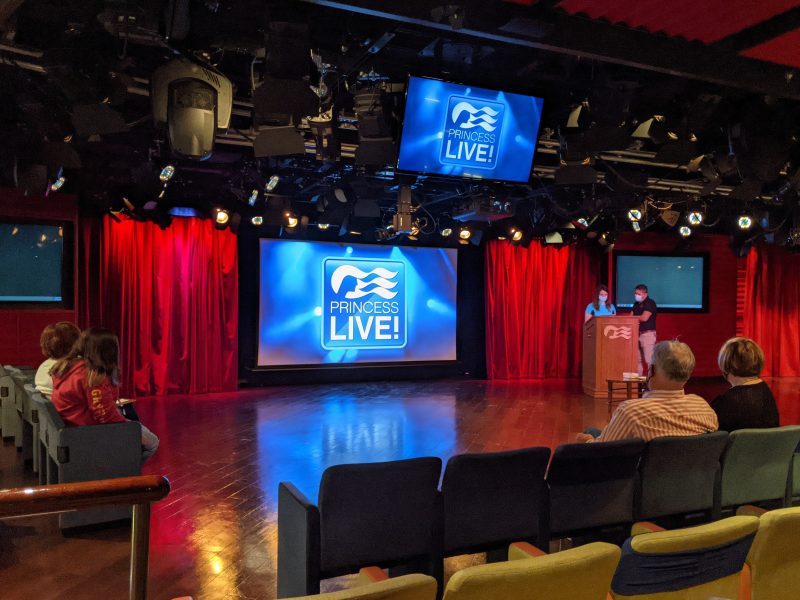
379 283
613 333
477 117
471 133
363 304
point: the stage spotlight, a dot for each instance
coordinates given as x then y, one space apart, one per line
59 181
695 218
272 183
685 231
257 220
447 232
653 129
634 215
166 174
583 222
323 226
253 197
291 220
515 234
325 140
744 222
465 233
637 227
414 230
15 230
221 216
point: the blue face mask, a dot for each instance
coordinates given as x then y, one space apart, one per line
603 298
638 297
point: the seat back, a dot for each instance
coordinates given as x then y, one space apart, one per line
494 499
592 485
696 562
584 572
774 558
756 464
406 587
377 513
679 475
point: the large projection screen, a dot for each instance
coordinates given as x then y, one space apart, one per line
325 304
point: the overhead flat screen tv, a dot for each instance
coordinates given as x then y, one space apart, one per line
465 131
32 267
329 304
677 283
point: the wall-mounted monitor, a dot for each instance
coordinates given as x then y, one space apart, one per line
676 282
33 268
466 131
329 304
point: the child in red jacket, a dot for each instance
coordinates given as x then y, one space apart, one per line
86 384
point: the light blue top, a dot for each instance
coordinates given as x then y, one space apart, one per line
604 311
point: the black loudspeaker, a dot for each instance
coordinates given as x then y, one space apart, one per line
278 141
376 152
575 175
283 101
97 119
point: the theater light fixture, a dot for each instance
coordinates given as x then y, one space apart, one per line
291 220
744 222
465 233
637 227
221 216
323 226
685 231
515 234
447 232
272 183
59 181
166 174
253 197
257 220
695 218
634 215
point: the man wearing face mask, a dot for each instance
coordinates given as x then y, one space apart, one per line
646 310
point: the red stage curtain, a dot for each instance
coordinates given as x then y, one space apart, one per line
171 295
772 308
535 301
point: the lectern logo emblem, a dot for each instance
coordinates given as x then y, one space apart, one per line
613 333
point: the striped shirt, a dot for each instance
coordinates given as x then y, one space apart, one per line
660 413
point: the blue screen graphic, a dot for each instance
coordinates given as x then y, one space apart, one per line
327 303
673 282
462 131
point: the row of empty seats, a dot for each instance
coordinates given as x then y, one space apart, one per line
61 454
393 514
741 557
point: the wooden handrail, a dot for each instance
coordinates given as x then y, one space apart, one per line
63 497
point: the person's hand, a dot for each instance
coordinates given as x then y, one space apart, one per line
584 437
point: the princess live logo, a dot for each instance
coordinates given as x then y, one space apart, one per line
471 136
363 304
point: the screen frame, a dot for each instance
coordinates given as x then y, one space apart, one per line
706 263
400 171
67 301
392 364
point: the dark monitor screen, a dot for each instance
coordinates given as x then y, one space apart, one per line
31 263
675 282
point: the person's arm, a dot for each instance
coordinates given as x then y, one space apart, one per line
619 427
644 316
587 316
103 403
613 309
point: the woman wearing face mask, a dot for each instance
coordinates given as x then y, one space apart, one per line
749 403
601 307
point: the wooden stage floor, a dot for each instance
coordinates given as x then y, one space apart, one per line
215 536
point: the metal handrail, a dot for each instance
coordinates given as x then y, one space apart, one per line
139 491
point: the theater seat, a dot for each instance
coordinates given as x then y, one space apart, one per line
592 485
685 564
89 453
10 422
582 573
493 499
774 558
756 465
405 587
381 514
680 475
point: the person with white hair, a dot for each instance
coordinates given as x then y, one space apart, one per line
666 409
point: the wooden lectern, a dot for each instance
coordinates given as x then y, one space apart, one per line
610 348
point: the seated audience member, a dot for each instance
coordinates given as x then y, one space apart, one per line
665 409
56 342
749 403
86 384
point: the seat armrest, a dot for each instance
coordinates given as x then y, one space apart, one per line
748 510
520 550
645 527
371 575
298 543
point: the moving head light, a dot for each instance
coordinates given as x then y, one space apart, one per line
193 101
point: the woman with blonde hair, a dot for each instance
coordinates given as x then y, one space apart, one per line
749 404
